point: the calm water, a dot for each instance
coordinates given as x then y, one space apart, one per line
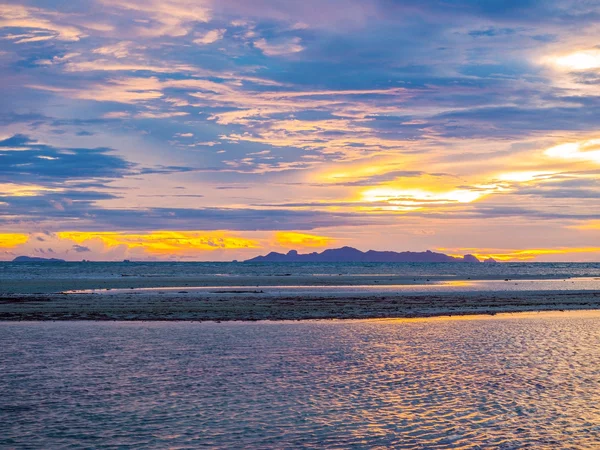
59 277
10 271
438 383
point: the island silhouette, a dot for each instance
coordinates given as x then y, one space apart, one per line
350 254
341 255
31 259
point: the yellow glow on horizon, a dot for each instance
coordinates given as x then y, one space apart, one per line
522 254
579 60
592 225
290 239
163 242
12 240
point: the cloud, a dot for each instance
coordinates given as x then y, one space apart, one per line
107 65
23 160
160 115
279 47
319 114
119 50
165 243
364 179
163 17
491 32
301 240
578 151
119 90
36 21
210 37
531 254
592 225
36 211
12 240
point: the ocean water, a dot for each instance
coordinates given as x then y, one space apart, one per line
36 278
79 270
503 382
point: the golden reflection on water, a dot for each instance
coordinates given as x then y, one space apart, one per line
580 313
458 283
507 381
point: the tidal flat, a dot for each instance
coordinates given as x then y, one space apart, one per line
227 291
276 303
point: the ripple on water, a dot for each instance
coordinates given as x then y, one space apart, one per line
473 383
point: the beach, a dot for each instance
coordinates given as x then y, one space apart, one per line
262 301
225 292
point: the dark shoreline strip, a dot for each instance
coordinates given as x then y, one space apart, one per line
252 308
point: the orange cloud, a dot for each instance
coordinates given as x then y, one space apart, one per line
520 255
163 242
591 225
291 239
12 240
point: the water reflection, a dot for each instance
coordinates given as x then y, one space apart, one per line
434 383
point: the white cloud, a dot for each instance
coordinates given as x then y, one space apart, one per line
16 16
119 50
167 17
277 48
210 37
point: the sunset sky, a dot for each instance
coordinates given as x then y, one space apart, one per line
224 129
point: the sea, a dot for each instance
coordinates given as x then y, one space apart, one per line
509 381
35 278
82 270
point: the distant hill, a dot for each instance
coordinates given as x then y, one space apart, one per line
349 254
36 259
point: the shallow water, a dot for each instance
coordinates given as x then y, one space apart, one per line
37 278
508 382
462 286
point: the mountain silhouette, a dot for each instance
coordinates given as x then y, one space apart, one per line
349 254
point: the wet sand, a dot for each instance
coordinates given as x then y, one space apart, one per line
214 298
218 304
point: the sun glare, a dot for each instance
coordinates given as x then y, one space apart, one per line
580 60
417 196
582 151
523 177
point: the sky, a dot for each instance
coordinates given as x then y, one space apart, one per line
223 129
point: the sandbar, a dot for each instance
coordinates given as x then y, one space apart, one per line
252 302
